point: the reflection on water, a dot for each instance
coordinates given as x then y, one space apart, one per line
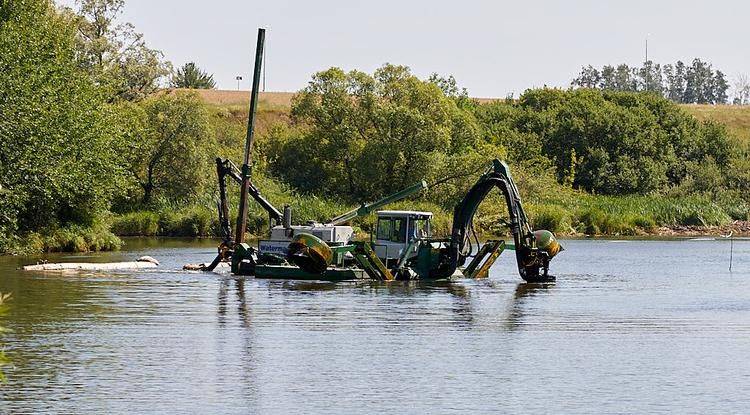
523 291
626 325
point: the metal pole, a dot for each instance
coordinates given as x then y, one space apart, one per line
242 216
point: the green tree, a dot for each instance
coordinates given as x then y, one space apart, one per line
675 81
172 147
589 77
192 77
57 163
608 142
360 136
698 83
114 54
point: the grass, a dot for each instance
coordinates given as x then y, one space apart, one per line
74 238
735 117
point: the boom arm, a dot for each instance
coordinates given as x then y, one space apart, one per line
224 168
366 209
530 258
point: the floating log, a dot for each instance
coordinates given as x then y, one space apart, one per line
142 262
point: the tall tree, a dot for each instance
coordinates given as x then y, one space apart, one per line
190 76
720 87
698 83
675 81
608 78
56 138
588 78
114 54
650 75
624 80
174 131
741 90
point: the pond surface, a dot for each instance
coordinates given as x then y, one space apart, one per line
629 327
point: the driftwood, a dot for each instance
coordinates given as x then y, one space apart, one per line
142 262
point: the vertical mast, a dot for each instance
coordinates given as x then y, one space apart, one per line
242 216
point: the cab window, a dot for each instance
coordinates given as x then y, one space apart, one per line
419 229
398 233
384 229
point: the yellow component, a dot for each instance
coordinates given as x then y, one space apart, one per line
545 240
310 253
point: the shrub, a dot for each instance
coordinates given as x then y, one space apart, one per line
142 223
550 217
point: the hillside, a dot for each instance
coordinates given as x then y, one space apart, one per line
735 117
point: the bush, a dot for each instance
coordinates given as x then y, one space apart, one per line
550 217
196 221
142 223
70 239
593 221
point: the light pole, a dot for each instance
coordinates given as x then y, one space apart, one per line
238 78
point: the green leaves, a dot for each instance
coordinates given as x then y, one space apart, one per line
192 77
362 136
56 157
606 142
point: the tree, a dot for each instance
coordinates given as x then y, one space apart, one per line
624 80
588 78
192 77
171 152
361 136
57 164
115 55
675 81
650 75
698 83
608 142
720 87
607 78
741 90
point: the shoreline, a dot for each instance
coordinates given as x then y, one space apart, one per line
739 228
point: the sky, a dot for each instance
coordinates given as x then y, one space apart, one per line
493 48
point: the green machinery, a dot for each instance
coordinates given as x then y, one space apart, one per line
428 258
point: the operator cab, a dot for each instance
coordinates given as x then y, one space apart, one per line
396 229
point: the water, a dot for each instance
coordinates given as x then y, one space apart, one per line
630 327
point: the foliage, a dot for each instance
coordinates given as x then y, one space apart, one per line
115 55
697 83
57 163
140 223
171 147
358 136
606 142
192 77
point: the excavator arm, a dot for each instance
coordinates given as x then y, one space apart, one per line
531 256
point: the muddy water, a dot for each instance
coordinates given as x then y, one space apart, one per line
630 327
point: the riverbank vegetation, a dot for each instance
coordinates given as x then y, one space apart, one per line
89 150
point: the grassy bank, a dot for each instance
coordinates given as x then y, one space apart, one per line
73 238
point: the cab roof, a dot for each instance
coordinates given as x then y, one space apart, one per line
403 213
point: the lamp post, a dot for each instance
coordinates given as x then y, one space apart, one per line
238 79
